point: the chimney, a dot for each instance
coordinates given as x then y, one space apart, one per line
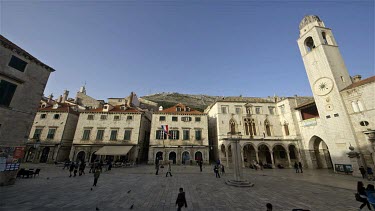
59 99
65 96
356 78
130 102
160 108
50 97
82 90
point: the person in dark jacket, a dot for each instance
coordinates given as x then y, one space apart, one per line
82 168
75 169
96 176
200 162
181 200
71 168
300 166
216 170
296 167
363 171
362 193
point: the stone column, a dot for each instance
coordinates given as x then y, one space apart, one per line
236 157
257 156
288 156
242 159
227 155
273 162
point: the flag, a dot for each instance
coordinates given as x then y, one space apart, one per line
165 129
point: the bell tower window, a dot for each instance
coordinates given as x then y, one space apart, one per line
309 43
324 38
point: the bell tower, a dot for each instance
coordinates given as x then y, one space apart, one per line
327 75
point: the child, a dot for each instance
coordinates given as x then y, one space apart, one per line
181 200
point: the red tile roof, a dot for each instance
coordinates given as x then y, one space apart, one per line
64 107
10 45
115 109
360 83
173 110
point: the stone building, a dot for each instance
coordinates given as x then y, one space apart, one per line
187 137
22 81
53 130
268 128
119 132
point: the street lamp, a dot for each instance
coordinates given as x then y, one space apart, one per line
238 181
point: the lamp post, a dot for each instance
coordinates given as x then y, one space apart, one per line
238 181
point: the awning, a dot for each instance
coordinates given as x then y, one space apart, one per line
114 150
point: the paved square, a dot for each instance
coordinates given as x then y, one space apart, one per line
286 190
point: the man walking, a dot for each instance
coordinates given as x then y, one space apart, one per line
181 200
200 162
300 166
169 170
296 167
157 166
216 170
96 176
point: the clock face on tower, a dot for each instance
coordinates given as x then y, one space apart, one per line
323 86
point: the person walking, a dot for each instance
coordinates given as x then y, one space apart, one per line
296 167
169 171
66 164
75 169
181 200
363 196
261 165
71 168
82 167
269 206
216 170
222 169
300 166
363 171
255 165
200 162
157 166
96 176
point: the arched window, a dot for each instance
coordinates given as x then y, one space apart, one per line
355 106
286 128
247 126
309 43
324 38
232 124
268 128
253 129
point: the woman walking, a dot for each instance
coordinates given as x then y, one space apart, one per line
362 193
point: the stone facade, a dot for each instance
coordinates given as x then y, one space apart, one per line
188 139
53 129
111 126
23 79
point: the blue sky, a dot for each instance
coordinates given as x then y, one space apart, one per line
225 48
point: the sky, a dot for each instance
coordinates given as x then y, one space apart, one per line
221 48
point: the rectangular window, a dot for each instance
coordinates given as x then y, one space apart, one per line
160 134
7 91
43 116
56 116
174 119
186 119
186 134
197 119
129 117
335 115
258 110
17 63
174 134
271 110
127 134
116 118
86 134
37 133
103 117
238 110
224 109
113 135
90 117
162 118
198 135
51 133
282 109
99 135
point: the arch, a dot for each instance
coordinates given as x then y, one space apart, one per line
44 156
93 157
198 155
280 155
324 36
159 156
292 152
309 44
172 156
319 152
249 154
232 126
30 154
81 156
264 153
185 157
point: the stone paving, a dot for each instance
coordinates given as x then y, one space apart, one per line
139 186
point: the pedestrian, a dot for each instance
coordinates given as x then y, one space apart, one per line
216 170
181 200
296 167
370 174
109 163
92 167
75 169
169 171
82 168
157 166
363 196
222 169
269 206
261 165
71 168
66 164
363 171
255 165
96 176
300 166
200 162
